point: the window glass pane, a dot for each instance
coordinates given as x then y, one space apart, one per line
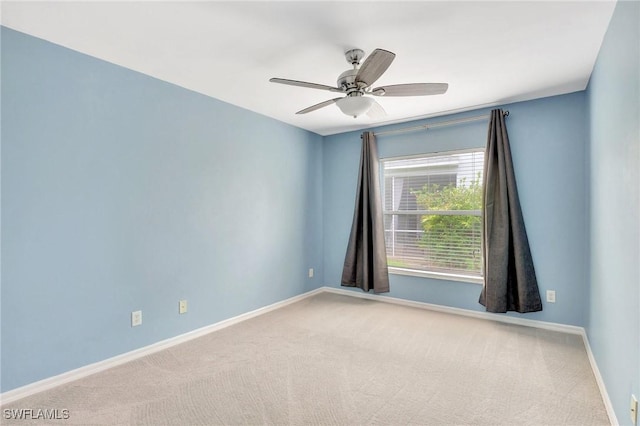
446 242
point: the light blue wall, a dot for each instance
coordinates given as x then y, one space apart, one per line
614 111
122 192
549 151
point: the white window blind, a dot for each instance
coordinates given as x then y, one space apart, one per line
432 212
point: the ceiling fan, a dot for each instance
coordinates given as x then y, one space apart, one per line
357 82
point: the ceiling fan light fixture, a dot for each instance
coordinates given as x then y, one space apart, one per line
354 105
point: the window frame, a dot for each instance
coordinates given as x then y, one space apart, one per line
416 272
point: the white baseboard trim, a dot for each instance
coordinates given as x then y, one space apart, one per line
571 329
603 389
79 373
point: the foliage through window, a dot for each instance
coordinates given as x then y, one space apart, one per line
432 212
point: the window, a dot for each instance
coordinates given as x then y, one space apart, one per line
432 214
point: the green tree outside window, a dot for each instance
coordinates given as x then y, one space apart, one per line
452 241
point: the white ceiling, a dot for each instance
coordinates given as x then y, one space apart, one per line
490 53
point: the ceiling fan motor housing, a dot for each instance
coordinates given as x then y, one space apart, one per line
347 82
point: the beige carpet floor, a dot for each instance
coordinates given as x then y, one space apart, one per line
334 359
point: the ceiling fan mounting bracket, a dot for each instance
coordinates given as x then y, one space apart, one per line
353 56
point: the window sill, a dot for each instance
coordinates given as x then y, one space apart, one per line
436 275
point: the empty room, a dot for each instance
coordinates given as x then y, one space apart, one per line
301 212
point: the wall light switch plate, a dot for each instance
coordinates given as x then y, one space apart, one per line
136 318
633 410
551 296
182 307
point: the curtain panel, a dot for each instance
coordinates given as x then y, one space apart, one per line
365 264
510 282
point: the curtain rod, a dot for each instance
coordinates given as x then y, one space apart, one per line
440 124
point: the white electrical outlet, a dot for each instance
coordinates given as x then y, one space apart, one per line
136 318
633 410
310 272
551 296
182 307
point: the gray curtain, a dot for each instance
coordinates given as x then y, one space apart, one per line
509 276
365 264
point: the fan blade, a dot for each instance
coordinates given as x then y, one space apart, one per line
374 66
376 111
305 84
318 106
412 89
